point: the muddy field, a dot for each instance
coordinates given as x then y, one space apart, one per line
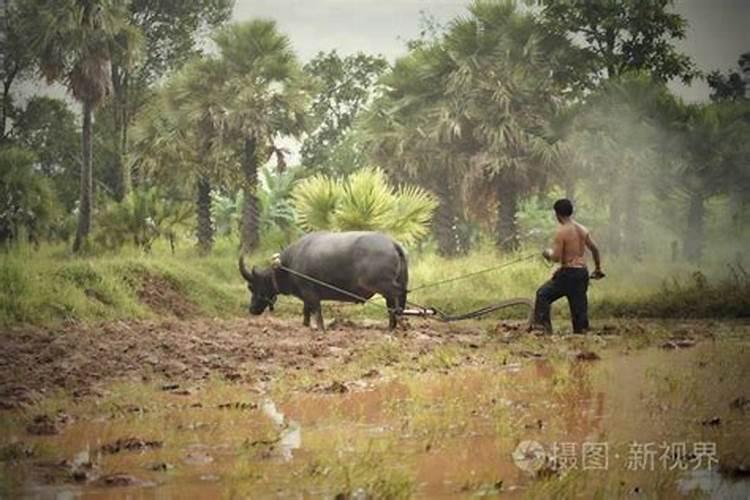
264 407
79 357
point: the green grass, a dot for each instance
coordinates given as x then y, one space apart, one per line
50 285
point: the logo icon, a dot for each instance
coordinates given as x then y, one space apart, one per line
529 456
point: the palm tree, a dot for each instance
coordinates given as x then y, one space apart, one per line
507 66
618 142
266 97
194 96
409 133
708 145
736 116
474 104
705 156
71 42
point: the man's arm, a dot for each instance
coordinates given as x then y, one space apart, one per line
594 253
555 253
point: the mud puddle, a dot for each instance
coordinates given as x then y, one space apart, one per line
663 422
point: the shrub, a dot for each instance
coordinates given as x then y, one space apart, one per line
142 217
363 201
27 202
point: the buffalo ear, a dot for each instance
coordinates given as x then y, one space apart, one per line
253 272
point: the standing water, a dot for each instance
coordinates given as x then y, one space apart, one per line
659 422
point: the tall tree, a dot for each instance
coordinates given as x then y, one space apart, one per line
477 100
622 36
701 172
345 86
48 127
735 118
166 34
733 85
401 136
265 97
617 141
197 115
704 150
731 89
17 59
71 41
509 74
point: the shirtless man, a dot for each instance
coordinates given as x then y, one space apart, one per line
571 279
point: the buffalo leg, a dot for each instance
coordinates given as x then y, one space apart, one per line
313 307
393 310
319 318
306 311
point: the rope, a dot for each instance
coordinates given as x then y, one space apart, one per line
332 287
464 276
433 311
276 264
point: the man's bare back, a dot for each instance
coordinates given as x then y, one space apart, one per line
572 238
569 248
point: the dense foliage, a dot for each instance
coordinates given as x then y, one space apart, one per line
478 127
27 201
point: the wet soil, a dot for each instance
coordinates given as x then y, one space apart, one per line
430 410
77 357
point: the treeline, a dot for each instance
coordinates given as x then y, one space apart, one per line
188 123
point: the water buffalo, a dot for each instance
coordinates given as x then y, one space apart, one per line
363 263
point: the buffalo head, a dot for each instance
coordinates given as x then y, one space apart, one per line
262 290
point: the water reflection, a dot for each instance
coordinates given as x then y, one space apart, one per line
712 483
290 432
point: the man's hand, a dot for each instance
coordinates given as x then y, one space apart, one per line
597 274
547 254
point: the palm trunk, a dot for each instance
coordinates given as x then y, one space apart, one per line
205 230
693 239
122 170
119 109
507 229
127 178
250 234
6 105
85 207
443 221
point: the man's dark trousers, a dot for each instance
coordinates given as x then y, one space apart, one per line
569 282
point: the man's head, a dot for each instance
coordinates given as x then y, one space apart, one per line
563 209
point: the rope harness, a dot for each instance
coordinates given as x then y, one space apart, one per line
422 311
476 273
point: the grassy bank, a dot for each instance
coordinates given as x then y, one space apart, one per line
48 286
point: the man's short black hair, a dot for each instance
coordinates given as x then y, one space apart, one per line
563 207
